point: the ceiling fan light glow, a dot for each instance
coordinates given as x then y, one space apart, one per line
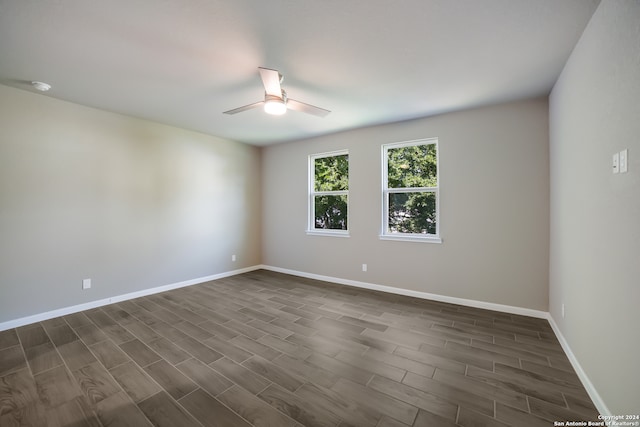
275 106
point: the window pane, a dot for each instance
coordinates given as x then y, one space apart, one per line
332 173
412 166
412 213
331 212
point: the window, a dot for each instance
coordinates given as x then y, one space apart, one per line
410 191
329 193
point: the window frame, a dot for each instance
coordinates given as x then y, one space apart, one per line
312 193
385 234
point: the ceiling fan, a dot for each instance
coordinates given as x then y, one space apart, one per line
275 98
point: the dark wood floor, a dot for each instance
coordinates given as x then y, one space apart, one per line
267 349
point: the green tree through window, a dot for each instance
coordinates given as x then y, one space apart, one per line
411 188
329 191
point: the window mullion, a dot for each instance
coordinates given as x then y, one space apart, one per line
331 193
412 190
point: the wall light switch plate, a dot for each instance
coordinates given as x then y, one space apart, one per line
624 160
616 163
86 284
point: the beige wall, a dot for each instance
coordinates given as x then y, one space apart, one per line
595 215
494 180
128 203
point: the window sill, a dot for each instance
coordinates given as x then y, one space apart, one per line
328 233
411 238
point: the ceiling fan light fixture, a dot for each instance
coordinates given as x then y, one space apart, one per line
275 105
276 101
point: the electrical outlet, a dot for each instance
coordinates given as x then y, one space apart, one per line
86 284
364 267
624 157
233 258
563 310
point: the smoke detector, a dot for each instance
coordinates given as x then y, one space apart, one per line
42 87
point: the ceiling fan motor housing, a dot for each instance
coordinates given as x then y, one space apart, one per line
282 98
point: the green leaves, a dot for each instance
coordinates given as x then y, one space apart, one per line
412 213
412 166
332 173
331 212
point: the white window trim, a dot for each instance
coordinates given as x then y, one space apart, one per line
409 237
311 230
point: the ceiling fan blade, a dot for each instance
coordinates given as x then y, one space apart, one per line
245 108
271 81
292 104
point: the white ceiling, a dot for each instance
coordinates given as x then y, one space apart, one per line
184 62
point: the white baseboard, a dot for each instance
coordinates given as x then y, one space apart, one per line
417 294
586 382
118 298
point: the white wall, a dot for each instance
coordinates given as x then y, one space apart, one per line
128 203
494 180
595 215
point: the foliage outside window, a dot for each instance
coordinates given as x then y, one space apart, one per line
410 190
329 193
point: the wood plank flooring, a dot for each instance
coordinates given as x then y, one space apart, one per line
268 349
